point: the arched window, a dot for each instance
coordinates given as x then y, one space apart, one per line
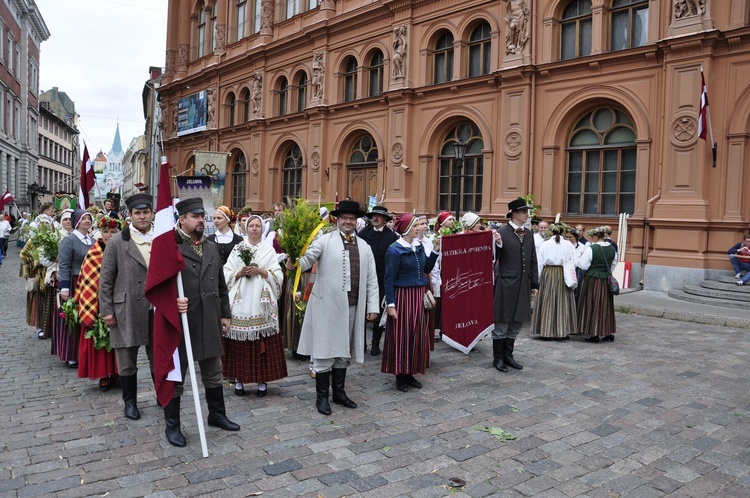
301 91
376 74
239 180
601 157
241 19
575 30
629 24
283 94
443 59
231 103
201 38
471 175
480 44
291 187
362 169
245 99
350 79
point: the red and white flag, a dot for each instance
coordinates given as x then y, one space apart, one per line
87 180
703 112
161 290
6 199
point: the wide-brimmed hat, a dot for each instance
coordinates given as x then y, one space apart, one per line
469 220
517 205
192 205
381 210
139 201
350 207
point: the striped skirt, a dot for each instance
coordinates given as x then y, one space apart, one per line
65 338
406 348
262 360
33 302
596 309
555 311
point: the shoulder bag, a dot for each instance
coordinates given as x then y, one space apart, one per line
614 286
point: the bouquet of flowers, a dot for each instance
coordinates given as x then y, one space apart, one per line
100 334
529 198
246 254
69 312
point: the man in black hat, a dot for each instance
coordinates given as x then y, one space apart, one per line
516 282
379 237
344 295
111 204
206 303
122 295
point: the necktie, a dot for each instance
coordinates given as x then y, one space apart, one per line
349 239
86 240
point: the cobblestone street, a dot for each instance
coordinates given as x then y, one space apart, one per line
662 411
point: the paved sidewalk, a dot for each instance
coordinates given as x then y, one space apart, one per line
662 411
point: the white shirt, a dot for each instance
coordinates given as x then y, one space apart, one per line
4 229
83 237
552 253
224 238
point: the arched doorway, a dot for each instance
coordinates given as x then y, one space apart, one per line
362 169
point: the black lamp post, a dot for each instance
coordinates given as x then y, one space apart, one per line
459 152
34 190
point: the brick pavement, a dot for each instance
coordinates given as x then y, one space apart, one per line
662 411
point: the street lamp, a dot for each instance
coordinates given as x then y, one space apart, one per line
459 152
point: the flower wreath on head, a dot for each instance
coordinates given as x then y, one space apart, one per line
559 228
596 231
106 222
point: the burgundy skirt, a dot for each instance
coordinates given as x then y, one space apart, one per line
262 360
65 337
406 349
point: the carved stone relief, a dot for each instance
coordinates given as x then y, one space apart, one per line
518 22
266 17
255 166
184 54
221 37
684 129
210 107
399 51
397 152
256 92
318 78
315 161
688 8
513 142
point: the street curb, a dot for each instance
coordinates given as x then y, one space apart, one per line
683 316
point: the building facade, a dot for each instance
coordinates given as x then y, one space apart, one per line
134 167
22 31
58 147
591 105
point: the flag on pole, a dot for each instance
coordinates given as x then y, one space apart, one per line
6 199
161 290
703 113
87 180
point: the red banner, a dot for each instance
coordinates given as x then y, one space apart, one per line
466 294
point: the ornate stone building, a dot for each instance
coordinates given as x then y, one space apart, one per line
591 105
59 157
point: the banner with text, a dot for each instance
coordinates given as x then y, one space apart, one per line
199 186
467 302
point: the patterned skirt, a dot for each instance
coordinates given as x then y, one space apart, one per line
65 338
555 311
33 302
406 348
262 360
596 309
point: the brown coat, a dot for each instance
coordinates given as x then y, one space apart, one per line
122 287
208 299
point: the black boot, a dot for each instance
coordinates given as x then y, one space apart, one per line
498 345
377 332
217 414
322 384
129 386
401 384
508 355
338 378
172 418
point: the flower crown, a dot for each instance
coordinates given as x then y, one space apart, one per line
600 231
107 222
559 228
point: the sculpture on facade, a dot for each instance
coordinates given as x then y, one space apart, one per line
175 115
266 16
687 8
183 55
399 51
517 20
256 92
318 77
162 118
221 35
210 106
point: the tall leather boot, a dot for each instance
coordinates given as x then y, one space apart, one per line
129 386
217 414
508 355
498 345
322 385
172 419
377 333
338 378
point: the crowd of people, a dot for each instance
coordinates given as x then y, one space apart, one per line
86 273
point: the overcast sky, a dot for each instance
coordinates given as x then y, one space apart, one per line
99 52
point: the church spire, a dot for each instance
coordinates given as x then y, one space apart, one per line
117 144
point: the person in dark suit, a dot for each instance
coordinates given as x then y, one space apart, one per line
516 282
379 237
206 303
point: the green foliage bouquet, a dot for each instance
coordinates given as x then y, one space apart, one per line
46 240
294 227
99 333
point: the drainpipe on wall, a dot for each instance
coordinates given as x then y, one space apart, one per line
646 233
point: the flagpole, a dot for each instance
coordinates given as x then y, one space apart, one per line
191 369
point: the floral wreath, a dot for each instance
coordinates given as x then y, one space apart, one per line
106 222
596 231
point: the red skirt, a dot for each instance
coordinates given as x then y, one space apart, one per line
406 348
94 363
262 360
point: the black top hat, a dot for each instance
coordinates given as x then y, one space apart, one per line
536 220
139 201
517 205
113 196
192 205
381 210
351 207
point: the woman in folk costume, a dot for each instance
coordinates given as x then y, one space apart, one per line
94 363
554 315
73 249
40 271
596 309
224 236
406 349
253 347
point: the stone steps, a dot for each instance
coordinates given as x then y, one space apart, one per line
722 292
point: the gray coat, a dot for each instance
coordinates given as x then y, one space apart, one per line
515 275
325 329
208 299
122 287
